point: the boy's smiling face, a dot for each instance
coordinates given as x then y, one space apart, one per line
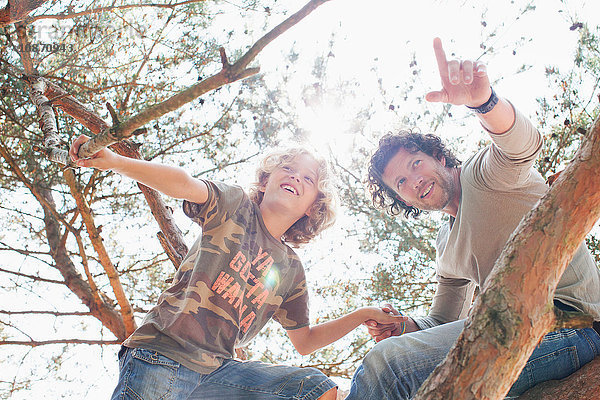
293 185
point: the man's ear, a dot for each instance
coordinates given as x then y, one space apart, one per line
442 159
400 199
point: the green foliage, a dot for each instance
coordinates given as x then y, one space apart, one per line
566 117
133 58
570 112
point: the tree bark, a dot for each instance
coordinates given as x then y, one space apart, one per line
514 309
59 97
47 122
105 313
17 10
103 257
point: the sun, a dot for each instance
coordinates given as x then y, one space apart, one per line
327 125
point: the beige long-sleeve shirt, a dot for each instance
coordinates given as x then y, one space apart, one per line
499 186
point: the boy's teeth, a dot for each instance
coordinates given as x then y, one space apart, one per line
289 188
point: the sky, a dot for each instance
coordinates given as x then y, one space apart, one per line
385 34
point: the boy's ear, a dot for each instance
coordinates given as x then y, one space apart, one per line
263 186
310 210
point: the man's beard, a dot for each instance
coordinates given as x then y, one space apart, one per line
444 185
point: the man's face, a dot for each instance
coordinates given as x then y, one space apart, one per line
420 180
294 185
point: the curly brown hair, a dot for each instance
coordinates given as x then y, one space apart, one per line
389 145
322 212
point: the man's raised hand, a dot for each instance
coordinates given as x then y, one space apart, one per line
464 82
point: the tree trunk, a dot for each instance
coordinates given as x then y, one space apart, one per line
514 310
17 10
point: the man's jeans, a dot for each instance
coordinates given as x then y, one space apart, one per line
396 367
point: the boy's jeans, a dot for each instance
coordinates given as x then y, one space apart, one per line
396 367
148 375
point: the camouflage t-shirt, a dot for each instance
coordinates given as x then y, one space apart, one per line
234 279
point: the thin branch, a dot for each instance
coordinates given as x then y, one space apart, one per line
84 262
39 312
188 138
240 161
35 343
129 90
33 277
228 74
16 328
110 9
24 252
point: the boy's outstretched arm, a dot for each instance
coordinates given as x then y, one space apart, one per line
311 338
171 181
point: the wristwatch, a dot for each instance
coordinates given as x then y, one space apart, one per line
488 105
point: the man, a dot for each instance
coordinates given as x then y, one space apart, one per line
486 198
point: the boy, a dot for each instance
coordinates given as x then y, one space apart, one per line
237 275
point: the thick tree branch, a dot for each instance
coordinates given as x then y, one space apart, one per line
95 124
46 117
514 310
17 10
109 317
571 320
104 258
47 122
175 257
104 312
228 74
23 44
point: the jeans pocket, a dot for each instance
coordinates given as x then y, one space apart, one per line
151 375
552 366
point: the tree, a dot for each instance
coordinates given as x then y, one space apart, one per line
70 245
132 56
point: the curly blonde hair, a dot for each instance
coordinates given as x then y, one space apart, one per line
322 212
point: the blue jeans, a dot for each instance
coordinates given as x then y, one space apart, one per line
396 367
148 375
